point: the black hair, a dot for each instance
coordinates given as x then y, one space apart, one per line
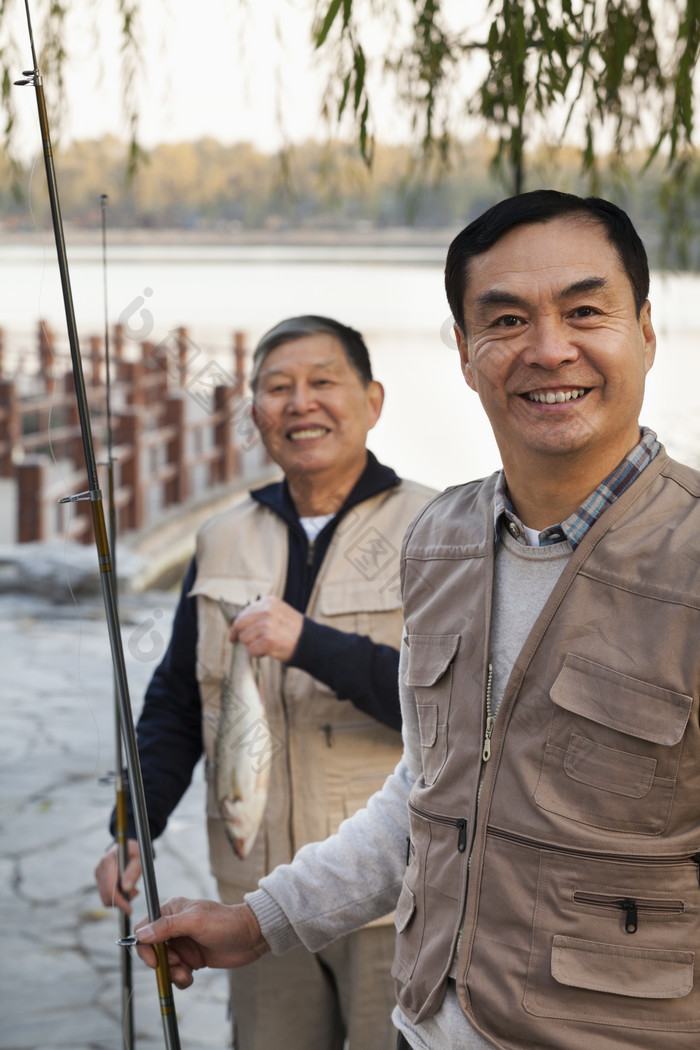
543 206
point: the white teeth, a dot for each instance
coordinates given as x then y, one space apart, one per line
303 435
551 397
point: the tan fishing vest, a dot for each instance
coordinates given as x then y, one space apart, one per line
575 876
327 757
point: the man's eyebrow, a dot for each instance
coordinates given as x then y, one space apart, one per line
495 297
587 284
283 371
500 297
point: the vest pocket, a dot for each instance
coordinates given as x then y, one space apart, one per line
614 943
429 673
644 973
613 749
433 885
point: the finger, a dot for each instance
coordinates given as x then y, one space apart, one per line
147 955
181 975
130 876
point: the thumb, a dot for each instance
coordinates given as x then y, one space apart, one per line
171 923
154 932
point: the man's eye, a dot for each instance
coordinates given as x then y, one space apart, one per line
585 311
508 321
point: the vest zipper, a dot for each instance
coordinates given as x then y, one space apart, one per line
456 822
631 906
571 851
310 547
490 719
288 757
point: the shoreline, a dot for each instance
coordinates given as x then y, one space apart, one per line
340 237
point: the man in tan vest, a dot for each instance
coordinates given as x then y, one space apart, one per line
312 562
549 894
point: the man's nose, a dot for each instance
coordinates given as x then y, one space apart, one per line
301 398
550 345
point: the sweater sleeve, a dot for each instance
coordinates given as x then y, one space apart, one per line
354 667
169 730
336 886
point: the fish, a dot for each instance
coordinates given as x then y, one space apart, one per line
243 749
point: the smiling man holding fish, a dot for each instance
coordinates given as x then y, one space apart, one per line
550 688
283 668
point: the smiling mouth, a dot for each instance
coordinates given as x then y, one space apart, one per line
555 397
307 434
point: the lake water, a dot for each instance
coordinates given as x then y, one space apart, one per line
432 428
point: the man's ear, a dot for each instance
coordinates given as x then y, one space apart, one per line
463 348
648 335
375 401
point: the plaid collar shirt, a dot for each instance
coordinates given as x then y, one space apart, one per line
575 527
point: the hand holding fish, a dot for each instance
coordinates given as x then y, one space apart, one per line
268 627
201 933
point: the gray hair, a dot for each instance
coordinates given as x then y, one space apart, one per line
312 324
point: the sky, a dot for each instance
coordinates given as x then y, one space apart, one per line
237 70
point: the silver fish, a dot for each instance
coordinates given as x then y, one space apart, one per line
243 748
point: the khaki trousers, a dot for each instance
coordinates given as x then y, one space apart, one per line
317 1001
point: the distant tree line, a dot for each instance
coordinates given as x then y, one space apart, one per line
207 186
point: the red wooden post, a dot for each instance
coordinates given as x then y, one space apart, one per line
177 488
132 372
31 483
239 354
73 447
118 341
157 373
225 468
95 360
47 361
129 430
181 335
10 426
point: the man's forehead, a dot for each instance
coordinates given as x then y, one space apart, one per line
320 350
545 249
282 365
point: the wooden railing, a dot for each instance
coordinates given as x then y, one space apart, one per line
180 425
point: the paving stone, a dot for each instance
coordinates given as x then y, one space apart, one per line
60 966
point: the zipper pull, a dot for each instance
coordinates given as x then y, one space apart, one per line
630 906
327 730
490 723
490 720
461 834
310 552
696 858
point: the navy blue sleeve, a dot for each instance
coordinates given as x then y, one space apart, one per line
169 730
354 667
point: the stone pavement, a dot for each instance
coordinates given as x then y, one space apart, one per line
60 967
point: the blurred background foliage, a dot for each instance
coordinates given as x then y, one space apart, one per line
587 95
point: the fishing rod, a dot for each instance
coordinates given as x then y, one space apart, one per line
121 808
107 577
